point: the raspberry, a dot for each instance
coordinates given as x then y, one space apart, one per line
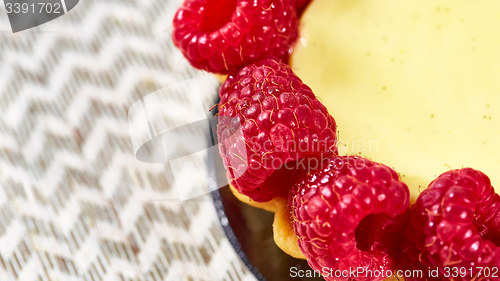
455 223
221 36
348 216
284 128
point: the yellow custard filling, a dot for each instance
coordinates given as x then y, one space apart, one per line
412 84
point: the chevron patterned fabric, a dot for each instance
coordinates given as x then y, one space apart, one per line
75 204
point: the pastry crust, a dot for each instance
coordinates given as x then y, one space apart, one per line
283 234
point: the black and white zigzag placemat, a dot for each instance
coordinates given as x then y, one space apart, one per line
75 204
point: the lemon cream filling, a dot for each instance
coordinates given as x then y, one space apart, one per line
412 84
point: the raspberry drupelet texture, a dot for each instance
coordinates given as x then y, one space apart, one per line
455 223
349 215
284 128
221 36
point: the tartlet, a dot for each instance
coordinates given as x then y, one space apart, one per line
411 84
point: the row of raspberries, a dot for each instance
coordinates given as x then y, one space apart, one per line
277 139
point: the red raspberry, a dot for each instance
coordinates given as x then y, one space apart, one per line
281 122
221 36
349 216
455 223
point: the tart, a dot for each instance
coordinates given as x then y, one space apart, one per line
411 85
